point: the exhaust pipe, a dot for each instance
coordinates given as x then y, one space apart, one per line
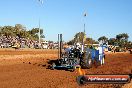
59 46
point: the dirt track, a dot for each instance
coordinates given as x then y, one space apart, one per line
28 69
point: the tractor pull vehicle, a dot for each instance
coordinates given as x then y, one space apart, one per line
74 58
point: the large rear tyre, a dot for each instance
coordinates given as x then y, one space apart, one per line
86 61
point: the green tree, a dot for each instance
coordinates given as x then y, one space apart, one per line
122 39
123 36
112 41
41 33
71 42
20 27
129 45
103 39
34 31
90 41
79 37
20 31
7 31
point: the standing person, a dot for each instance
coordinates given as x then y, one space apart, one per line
67 50
101 54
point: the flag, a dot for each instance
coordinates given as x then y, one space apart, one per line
41 1
85 14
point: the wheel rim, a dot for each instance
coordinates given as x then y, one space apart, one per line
89 61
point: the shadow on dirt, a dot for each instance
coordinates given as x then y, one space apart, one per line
51 62
56 64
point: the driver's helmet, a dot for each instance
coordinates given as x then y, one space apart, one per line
78 46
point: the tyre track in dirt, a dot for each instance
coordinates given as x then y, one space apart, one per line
16 74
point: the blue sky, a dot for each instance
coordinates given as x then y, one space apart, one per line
104 17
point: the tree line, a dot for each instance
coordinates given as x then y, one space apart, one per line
20 31
120 40
81 37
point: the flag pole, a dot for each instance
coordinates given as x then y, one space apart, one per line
41 2
84 34
39 33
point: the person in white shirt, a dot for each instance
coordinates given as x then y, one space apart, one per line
101 54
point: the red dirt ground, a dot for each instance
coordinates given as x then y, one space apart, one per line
28 69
